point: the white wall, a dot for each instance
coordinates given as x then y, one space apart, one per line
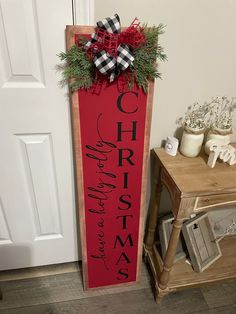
200 43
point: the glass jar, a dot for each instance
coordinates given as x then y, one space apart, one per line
191 142
219 134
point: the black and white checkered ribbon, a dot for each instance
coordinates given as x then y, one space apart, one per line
110 24
105 63
94 39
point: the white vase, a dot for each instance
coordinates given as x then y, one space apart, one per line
219 134
191 143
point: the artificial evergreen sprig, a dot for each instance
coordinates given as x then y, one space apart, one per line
145 66
78 69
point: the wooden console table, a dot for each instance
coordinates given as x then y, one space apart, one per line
193 187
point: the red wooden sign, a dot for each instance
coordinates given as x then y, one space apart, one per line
111 143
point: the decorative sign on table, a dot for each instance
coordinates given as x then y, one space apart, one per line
218 150
111 128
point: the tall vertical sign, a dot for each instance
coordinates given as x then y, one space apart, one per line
111 145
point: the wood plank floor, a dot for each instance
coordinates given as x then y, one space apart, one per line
55 291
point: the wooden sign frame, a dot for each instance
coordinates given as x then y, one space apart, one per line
121 276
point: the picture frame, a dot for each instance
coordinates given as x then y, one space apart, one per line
223 221
201 242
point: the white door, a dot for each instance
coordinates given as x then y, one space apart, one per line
37 210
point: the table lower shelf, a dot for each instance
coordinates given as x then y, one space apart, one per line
182 275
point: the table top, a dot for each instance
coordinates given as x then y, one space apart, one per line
193 177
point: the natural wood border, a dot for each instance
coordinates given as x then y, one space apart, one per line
70 33
146 155
76 136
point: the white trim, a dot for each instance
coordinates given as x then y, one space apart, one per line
83 12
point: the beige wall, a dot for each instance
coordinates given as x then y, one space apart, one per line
200 42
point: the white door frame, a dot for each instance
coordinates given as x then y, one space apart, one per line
83 12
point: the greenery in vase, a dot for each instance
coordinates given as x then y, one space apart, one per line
222 110
196 117
215 114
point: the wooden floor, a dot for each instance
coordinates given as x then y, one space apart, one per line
58 290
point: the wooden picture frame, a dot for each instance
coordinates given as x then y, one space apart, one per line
165 228
117 250
223 221
201 242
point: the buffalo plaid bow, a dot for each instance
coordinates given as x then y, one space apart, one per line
111 24
110 58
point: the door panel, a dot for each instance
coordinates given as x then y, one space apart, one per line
39 169
5 237
20 42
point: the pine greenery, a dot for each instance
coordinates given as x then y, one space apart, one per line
78 69
145 66
81 72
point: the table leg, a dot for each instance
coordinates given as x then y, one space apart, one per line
169 258
154 209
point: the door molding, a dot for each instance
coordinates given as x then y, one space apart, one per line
83 12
